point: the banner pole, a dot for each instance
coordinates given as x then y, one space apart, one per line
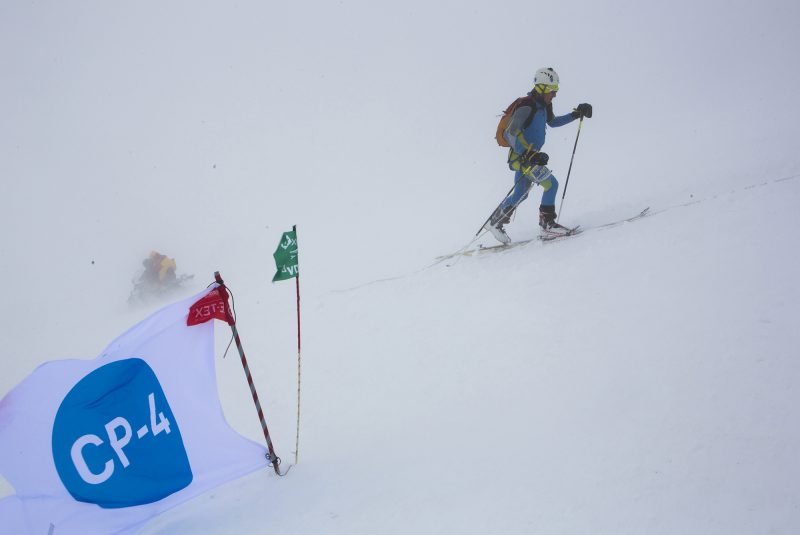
274 459
297 286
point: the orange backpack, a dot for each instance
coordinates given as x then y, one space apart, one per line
506 117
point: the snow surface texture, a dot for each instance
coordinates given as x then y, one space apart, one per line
638 379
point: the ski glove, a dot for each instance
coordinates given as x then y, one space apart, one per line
537 158
582 110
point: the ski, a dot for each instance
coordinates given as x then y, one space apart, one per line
547 235
640 215
481 249
501 247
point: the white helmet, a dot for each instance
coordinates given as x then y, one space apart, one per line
546 76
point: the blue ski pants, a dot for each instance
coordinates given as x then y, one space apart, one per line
522 186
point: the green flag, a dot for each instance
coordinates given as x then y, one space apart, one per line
286 257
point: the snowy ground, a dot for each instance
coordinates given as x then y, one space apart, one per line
636 379
639 379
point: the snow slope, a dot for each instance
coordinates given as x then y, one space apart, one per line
637 379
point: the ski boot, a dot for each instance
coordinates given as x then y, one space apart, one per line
500 217
547 220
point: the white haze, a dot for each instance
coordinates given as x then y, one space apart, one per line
633 380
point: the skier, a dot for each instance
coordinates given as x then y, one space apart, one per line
159 270
158 280
525 135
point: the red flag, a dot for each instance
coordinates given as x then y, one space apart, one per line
213 306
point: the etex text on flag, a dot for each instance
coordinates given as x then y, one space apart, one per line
100 446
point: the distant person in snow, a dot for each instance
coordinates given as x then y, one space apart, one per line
524 134
159 270
158 281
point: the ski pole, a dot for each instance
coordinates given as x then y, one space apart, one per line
566 182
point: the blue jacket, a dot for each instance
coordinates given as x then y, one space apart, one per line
521 138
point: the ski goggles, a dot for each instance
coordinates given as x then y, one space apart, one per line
545 88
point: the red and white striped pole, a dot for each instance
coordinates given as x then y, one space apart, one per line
271 450
297 286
